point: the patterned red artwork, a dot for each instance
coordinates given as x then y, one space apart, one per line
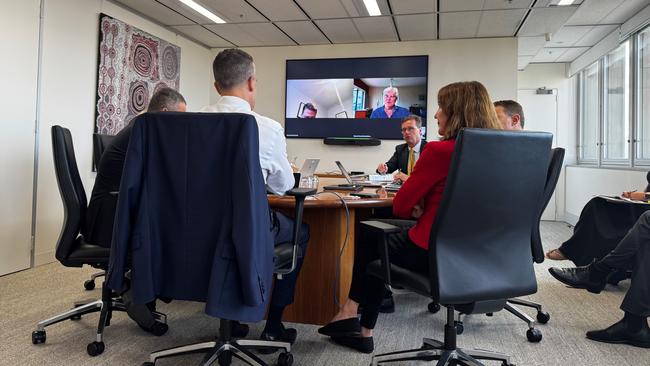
133 65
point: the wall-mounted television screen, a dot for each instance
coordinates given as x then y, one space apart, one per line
354 97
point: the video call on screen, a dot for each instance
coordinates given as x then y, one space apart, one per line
345 97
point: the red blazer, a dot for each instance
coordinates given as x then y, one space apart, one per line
426 182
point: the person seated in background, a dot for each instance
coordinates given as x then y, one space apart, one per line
633 251
602 224
407 154
308 111
100 215
460 105
390 109
510 114
236 83
98 228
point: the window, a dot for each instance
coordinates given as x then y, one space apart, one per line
616 128
589 114
358 99
643 97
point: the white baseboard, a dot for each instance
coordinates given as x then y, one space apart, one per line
44 258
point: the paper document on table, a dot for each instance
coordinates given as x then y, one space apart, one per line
619 199
381 177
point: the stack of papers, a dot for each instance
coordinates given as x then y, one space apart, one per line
381 177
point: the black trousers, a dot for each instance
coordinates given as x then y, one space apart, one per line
368 290
634 252
284 289
602 225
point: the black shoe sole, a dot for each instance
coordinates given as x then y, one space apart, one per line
622 341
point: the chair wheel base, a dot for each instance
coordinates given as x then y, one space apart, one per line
534 335
433 307
285 359
95 348
38 336
459 327
89 285
543 317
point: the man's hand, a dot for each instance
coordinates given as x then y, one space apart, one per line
634 195
401 177
382 168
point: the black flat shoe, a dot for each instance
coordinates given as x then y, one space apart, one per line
342 328
618 333
361 344
288 335
578 277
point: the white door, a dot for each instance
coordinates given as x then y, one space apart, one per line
19 65
540 111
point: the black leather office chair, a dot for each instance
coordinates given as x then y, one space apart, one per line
554 169
71 248
100 143
479 251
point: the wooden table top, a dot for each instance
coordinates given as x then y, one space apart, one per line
325 199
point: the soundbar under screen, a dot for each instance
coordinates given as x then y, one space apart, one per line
354 97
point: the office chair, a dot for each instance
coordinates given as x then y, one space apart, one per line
178 210
554 169
71 248
475 260
100 142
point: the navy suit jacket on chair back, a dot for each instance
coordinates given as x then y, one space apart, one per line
192 217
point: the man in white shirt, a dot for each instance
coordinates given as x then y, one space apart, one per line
235 82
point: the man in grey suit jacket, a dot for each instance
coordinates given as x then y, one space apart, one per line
406 154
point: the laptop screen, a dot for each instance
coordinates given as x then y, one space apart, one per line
309 167
345 173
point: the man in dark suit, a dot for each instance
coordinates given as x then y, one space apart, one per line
632 251
406 154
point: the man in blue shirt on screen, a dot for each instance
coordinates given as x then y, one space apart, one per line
390 109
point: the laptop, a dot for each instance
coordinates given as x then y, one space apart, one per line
347 177
309 167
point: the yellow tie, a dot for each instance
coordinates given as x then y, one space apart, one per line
411 160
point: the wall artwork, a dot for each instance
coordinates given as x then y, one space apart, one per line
133 65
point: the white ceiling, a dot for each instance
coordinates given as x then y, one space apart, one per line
545 33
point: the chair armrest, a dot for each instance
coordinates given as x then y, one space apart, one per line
299 194
380 231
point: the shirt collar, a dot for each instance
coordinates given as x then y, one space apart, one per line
416 148
236 102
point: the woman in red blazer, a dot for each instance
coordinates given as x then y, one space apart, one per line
463 104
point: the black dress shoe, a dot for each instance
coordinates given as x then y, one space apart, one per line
342 328
288 335
619 333
578 277
239 330
361 344
387 305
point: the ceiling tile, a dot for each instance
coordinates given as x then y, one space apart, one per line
504 4
529 46
318 9
416 27
545 20
549 54
340 30
568 35
251 34
594 36
460 5
303 32
459 25
376 29
279 10
157 11
571 54
500 23
203 35
523 61
234 11
624 11
593 11
184 10
413 6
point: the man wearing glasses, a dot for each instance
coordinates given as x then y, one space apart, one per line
406 154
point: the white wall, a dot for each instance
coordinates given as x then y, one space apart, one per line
490 61
69 68
19 62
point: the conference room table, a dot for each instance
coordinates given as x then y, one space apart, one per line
326 273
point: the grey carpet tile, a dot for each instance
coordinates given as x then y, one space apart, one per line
32 295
